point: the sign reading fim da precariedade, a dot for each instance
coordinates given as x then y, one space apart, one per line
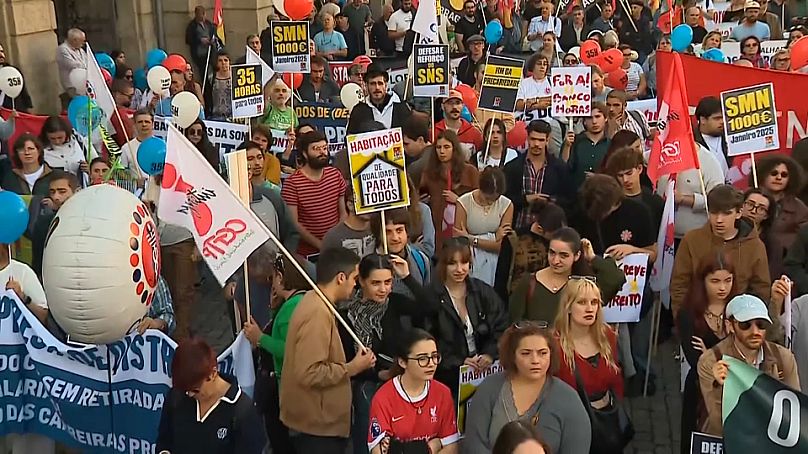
377 170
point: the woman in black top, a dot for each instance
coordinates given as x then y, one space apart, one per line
701 325
197 134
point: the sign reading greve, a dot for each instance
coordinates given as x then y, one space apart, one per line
500 84
248 95
378 177
431 67
290 47
572 92
750 119
625 306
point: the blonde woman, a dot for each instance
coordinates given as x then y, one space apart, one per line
712 40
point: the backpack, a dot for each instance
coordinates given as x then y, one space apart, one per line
409 38
640 120
420 261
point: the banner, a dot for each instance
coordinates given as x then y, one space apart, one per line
339 72
247 96
330 119
705 444
750 119
571 92
290 47
702 81
500 84
378 174
761 414
647 107
732 49
96 398
224 136
625 306
469 380
431 69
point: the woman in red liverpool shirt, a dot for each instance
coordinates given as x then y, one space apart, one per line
412 413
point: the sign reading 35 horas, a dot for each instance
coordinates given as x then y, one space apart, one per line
248 95
290 47
750 119
379 180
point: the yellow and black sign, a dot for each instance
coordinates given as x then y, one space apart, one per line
247 95
431 70
750 119
290 47
500 84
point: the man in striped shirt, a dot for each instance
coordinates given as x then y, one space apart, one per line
314 193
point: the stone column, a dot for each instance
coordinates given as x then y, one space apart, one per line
137 30
27 34
241 19
176 15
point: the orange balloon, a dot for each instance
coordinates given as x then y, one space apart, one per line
175 62
298 9
293 80
590 50
610 60
469 97
617 79
517 137
799 53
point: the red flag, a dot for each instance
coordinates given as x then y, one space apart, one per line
674 149
218 20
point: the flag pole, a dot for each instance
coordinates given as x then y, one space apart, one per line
207 65
384 233
754 169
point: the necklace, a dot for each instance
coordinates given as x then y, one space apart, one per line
418 408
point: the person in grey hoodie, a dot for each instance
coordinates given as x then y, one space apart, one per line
527 390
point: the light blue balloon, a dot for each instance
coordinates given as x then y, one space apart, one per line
714 54
84 114
493 32
681 37
15 217
155 57
465 114
106 62
139 79
151 155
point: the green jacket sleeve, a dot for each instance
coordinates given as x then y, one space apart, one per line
610 277
276 343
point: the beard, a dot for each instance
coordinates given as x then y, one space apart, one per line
317 162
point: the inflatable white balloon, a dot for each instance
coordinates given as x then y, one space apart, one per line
575 51
351 94
159 79
279 8
11 81
185 108
78 79
101 264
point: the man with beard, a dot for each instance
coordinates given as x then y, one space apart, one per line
584 152
316 87
380 105
750 25
399 24
124 127
23 102
476 54
470 24
748 319
467 133
315 193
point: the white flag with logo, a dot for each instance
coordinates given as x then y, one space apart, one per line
194 196
267 73
97 87
426 22
663 267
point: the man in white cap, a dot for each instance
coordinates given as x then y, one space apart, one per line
747 319
750 25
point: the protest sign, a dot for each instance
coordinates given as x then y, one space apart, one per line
750 119
732 50
290 47
247 96
339 71
500 84
647 107
330 119
625 306
762 414
431 70
377 170
705 444
96 398
224 136
469 380
572 92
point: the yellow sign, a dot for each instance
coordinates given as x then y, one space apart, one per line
290 47
750 119
247 96
378 175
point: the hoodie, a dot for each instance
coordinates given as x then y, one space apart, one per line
467 133
746 250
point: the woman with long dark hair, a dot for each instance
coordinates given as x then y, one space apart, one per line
783 178
62 151
197 134
518 437
495 152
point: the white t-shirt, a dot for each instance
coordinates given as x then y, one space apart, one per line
532 88
633 72
510 155
31 178
400 22
129 158
23 274
67 156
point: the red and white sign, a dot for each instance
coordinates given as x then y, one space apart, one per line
571 92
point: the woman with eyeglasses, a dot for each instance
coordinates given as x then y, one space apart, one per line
783 178
760 207
197 134
471 317
527 391
495 152
62 149
29 173
413 412
781 60
750 50
537 295
378 316
637 86
230 424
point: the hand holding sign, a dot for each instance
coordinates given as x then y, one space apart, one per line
11 82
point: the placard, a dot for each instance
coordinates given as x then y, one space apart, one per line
500 84
571 91
431 70
750 119
468 382
706 444
378 177
290 47
247 96
625 306
223 135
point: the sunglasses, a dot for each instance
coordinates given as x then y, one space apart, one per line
762 325
592 279
774 173
424 361
524 324
195 132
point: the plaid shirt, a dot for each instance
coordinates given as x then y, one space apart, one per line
532 181
162 307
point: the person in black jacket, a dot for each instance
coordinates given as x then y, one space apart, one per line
380 105
470 318
61 187
574 30
378 316
468 64
200 34
317 86
22 102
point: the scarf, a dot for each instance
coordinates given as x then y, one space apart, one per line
366 317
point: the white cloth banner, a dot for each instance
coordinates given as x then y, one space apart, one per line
267 73
663 267
625 306
224 136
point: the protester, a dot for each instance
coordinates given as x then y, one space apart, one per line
693 18
574 30
359 19
219 90
62 149
604 23
712 40
620 118
781 60
200 35
495 152
380 38
161 311
649 67
416 137
637 87
540 25
761 208
22 280
751 51
379 106
30 174
519 437
534 92
399 23
475 55
750 25
144 128
599 88
709 130
470 25
71 55
99 168
626 166
61 187
783 178
277 115
124 128
329 43
352 232
316 87
197 134
584 152
468 134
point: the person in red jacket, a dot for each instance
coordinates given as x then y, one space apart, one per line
469 135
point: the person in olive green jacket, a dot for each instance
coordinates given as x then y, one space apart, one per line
537 295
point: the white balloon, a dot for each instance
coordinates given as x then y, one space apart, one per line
101 266
78 79
351 94
11 82
575 51
279 8
159 79
185 108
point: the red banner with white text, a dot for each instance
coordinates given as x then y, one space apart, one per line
706 78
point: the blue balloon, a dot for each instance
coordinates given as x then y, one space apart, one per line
139 79
493 32
155 57
151 155
714 54
106 62
84 114
15 217
681 37
466 114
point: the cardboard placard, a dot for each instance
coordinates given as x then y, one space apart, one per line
290 47
431 70
500 84
625 306
706 444
571 91
468 382
750 119
248 96
378 177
